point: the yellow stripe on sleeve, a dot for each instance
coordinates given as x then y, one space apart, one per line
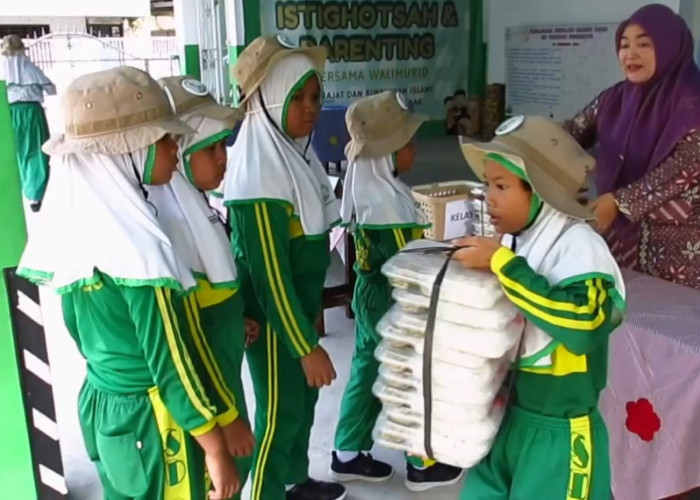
272 283
572 324
171 334
205 352
295 329
541 301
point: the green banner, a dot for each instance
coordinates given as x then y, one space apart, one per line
419 48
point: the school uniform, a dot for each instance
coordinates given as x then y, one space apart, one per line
281 209
26 87
559 273
124 292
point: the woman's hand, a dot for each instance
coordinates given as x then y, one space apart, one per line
477 251
606 211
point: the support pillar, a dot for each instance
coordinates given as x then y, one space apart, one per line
242 26
187 37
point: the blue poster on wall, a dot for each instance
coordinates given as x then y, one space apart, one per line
419 48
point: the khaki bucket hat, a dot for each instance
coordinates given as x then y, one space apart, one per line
554 163
114 112
262 54
189 96
380 125
12 45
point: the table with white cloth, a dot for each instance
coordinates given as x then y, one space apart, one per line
652 402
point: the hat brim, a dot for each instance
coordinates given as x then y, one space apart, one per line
384 146
121 142
546 186
14 51
230 116
318 55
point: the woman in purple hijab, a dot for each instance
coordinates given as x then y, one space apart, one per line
647 128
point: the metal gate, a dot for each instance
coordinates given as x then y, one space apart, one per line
66 56
211 19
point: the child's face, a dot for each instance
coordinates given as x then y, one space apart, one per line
209 165
406 157
507 199
304 107
165 161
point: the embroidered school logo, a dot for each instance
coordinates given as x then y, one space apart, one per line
194 87
171 445
362 250
285 42
579 453
579 477
93 288
403 101
510 125
175 467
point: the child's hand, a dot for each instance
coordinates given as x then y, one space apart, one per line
318 368
239 439
477 251
224 476
252 331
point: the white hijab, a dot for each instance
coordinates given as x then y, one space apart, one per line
95 217
374 198
196 231
266 164
561 249
20 70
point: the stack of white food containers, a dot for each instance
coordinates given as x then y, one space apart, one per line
474 339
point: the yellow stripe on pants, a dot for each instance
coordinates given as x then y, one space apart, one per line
581 461
177 474
272 403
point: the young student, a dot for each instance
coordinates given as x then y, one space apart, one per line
26 86
199 236
147 423
554 267
380 210
281 209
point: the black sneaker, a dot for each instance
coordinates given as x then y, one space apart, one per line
432 477
35 206
363 467
317 490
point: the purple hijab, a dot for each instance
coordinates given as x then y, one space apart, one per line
640 124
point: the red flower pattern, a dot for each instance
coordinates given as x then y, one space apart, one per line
642 419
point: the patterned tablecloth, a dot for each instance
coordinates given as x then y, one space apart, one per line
652 402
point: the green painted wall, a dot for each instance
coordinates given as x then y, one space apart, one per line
16 470
251 19
191 65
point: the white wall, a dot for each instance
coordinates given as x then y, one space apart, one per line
58 24
81 8
503 14
690 11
